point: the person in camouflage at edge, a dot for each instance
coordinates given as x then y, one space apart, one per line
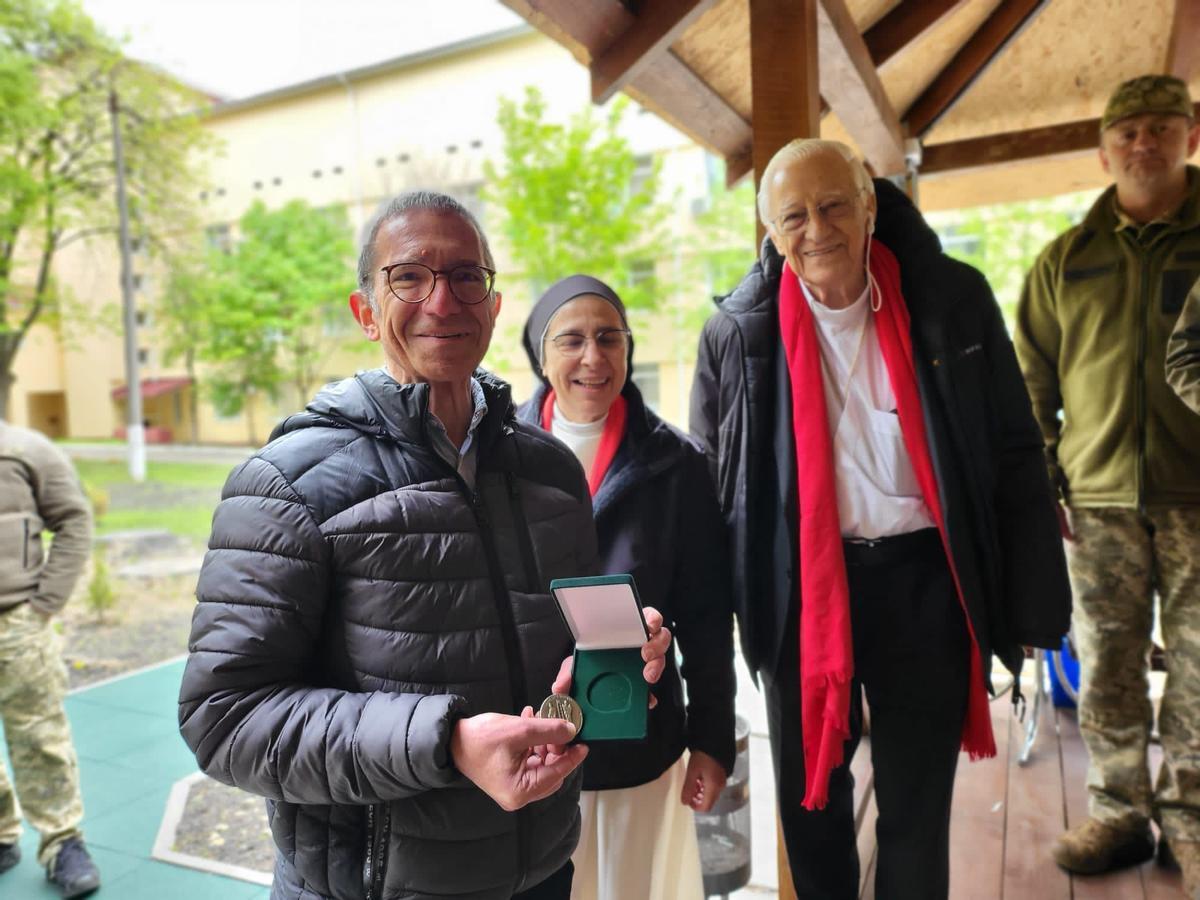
1183 352
39 490
1091 336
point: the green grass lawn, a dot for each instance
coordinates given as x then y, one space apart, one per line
178 497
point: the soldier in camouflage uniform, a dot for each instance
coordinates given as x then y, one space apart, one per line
1092 330
39 491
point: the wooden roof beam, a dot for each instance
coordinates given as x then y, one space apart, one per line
987 43
901 27
1183 46
650 34
663 84
1014 146
850 85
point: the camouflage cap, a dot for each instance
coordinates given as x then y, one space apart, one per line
1147 94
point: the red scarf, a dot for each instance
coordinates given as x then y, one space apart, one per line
610 438
826 652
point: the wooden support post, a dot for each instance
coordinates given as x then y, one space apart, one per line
785 100
785 104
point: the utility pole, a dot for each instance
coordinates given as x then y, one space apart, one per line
135 434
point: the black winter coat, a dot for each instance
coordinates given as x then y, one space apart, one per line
658 520
985 446
357 598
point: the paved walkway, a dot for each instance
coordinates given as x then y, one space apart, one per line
114 451
130 754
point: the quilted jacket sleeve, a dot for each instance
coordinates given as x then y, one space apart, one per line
1183 352
248 705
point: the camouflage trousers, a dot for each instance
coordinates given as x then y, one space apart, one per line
33 681
1118 561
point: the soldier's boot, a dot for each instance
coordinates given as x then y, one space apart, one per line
1096 847
72 870
10 855
1186 855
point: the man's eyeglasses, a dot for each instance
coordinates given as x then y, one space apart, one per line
835 209
414 282
571 344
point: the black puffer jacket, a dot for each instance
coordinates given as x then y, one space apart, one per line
356 599
658 520
985 446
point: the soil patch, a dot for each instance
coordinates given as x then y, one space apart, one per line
148 624
227 825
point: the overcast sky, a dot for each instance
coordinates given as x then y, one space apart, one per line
236 48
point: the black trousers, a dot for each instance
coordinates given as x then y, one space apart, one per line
556 887
912 658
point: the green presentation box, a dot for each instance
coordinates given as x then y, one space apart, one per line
604 614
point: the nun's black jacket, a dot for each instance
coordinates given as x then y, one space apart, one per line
657 518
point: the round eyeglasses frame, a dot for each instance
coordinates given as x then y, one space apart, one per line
489 281
596 339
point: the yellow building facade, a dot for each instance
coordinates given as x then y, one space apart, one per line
353 139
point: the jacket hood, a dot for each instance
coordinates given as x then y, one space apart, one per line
375 403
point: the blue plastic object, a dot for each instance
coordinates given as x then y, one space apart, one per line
1070 668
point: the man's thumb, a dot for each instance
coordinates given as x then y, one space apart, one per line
547 731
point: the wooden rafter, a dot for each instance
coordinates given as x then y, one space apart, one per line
663 84
1183 46
901 27
850 85
650 34
1014 146
988 42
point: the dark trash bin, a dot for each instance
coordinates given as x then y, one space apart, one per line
724 832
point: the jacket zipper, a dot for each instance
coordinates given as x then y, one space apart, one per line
378 824
25 546
512 650
523 538
1140 394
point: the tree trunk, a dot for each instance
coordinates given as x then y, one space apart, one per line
189 362
10 343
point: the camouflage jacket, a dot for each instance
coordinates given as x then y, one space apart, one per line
1183 352
39 491
1091 337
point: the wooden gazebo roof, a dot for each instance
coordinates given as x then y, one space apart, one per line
1004 96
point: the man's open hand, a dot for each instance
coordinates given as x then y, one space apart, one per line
501 755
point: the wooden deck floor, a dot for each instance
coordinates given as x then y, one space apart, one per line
1006 816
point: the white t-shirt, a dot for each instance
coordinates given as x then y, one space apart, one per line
877 490
583 439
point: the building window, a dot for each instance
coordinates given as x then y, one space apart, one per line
643 169
641 271
142 318
277 181
258 185
646 378
317 173
136 280
337 170
143 356
217 237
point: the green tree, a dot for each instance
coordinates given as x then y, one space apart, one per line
57 75
568 201
262 316
1003 241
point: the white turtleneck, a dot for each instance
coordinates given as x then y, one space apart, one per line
582 438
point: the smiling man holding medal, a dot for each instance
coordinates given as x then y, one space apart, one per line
374 627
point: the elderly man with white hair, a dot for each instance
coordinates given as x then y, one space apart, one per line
891 520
